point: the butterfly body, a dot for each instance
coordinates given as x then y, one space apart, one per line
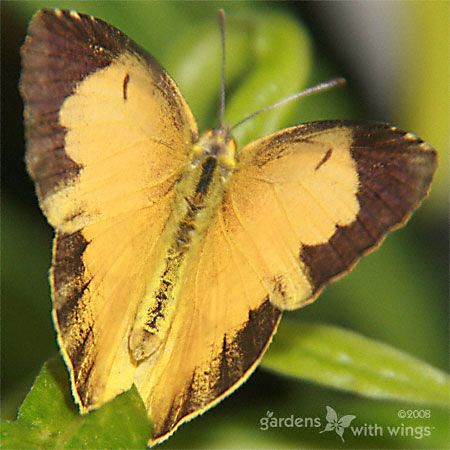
174 255
199 193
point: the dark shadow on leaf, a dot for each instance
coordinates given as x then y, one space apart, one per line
58 371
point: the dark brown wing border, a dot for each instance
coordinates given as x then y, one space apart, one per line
395 170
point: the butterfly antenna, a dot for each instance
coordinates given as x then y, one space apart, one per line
222 75
325 86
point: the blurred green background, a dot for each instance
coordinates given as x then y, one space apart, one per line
399 295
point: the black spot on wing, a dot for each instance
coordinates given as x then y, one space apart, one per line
325 158
126 80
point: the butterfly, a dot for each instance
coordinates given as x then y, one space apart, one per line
175 252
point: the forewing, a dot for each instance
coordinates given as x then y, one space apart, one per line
307 202
108 135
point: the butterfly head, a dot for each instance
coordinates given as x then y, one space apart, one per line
219 144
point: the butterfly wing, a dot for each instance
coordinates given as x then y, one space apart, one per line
108 135
303 205
312 199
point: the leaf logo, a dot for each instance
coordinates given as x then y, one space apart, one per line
269 413
337 424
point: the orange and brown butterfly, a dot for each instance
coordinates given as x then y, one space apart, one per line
175 253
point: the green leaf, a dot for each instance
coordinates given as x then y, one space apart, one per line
347 361
48 418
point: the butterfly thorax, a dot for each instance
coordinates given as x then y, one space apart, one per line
199 193
219 144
